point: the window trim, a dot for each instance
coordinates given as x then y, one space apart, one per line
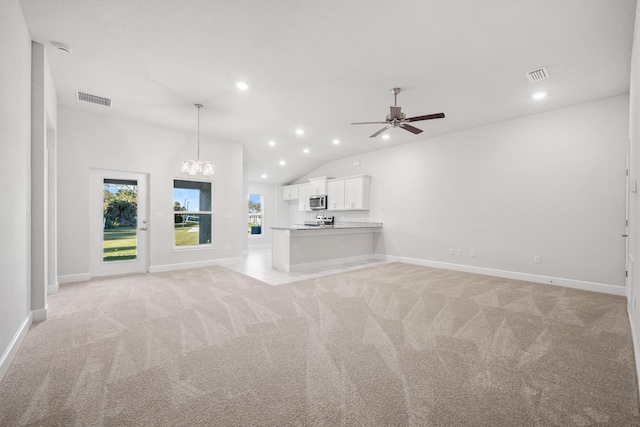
199 246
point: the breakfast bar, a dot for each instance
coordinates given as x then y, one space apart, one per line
299 247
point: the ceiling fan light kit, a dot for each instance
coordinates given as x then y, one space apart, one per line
193 167
397 119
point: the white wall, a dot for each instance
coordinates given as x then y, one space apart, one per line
634 201
549 185
93 140
15 142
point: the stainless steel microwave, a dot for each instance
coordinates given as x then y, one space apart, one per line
318 202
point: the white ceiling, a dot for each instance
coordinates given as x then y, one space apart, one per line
321 65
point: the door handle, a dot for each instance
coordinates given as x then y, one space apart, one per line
142 228
625 235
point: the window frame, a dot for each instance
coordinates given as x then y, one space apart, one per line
260 214
211 213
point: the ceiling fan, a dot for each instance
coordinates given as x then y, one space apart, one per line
397 119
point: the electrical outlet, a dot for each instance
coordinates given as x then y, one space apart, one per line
450 251
459 252
472 253
536 259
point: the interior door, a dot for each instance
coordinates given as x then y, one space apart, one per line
119 222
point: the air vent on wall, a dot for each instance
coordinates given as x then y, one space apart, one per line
537 75
94 99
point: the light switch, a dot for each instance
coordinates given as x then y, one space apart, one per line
228 216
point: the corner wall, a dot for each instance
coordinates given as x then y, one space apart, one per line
43 188
549 185
15 143
633 281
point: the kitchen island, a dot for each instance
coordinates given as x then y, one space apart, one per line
300 247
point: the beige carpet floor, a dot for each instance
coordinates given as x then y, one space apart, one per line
390 345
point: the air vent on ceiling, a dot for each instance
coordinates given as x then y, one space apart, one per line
94 99
537 75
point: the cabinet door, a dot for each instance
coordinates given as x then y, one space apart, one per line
294 192
335 195
318 186
290 192
356 193
303 197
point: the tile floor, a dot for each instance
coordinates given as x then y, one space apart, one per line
258 265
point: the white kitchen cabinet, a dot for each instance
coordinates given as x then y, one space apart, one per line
304 191
290 192
335 195
356 193
318 186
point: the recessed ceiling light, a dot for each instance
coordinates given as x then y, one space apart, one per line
299 132
272 143
305 150
385 136
263 176
242 86
336 141
539 95
282 162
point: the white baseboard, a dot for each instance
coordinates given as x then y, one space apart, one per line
332 262
39 315
14 345
558 281
71 278
53 289
195 264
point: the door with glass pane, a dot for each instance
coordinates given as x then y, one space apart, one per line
119 222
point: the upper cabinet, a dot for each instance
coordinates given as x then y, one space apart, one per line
349 193
335 194
304 191
318 186
356 192
290 192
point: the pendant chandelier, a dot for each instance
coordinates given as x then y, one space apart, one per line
193 167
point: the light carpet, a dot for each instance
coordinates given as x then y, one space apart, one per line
390 345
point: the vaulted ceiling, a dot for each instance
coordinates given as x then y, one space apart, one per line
320 65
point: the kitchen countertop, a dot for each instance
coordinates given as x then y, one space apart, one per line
336 226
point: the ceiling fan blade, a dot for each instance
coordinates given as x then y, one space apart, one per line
380 131
370 123
427 117
395 113
411 128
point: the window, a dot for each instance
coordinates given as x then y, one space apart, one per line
255 214
192 213
119 219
